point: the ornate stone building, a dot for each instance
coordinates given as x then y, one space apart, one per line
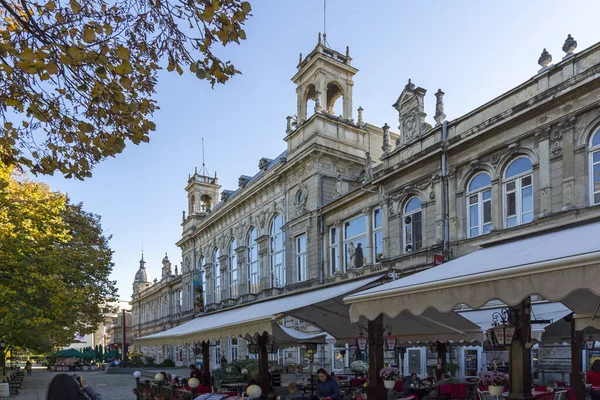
347 198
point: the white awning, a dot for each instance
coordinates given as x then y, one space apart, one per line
258 317
553 265
548 311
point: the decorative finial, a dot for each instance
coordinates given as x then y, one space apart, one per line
347 51
300 58
195 170
289 125
319 38
386 139
410 85
569 46
439 107
182 220
545 59
360 116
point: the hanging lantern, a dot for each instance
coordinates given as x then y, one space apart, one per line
501 335
311 349
390 340
361 340
253 348
272 348
352 350
589 343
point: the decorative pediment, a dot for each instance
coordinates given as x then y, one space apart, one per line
411 114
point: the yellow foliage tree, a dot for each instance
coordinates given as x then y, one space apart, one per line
54 265
77 77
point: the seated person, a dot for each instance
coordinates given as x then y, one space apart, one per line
413 379
359 380
446 380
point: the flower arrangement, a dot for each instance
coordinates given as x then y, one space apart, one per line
359 366
494 378
389 373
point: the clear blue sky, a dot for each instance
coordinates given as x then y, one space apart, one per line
472 50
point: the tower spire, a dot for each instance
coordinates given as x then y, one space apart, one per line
325 42
203 170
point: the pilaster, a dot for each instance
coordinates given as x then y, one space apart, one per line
497 213
566 132
208 272
545 187
265 265
242 262
385 228
224 264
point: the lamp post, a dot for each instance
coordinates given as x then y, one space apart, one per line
193 383
311 350
137 375
10 349
402 353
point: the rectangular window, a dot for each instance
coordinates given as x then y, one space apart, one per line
333 250
233 352
301 258
355 242
377 235
518 196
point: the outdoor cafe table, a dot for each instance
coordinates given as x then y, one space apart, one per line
420 391
235 386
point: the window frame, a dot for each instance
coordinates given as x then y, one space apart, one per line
301 267
518 190
480 204
333 249
375 230
277 236
232 266
353 239
593 149
253 249
406 214
216 292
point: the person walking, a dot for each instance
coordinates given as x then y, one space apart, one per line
70 387
28 368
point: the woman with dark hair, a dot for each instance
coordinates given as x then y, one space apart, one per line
327 387
593 377
70 387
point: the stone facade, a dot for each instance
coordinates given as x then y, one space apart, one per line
347 198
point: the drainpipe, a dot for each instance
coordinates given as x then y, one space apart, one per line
321 233
446 252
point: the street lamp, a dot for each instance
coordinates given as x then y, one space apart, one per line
193 383
589 343
501 333
10 349
311 350
137 375
3 354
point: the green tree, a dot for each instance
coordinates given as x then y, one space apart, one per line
55 264
77 77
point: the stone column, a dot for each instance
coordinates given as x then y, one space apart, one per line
385 228
347 100
576 362
301 104
497 213
566 130
375 388
581 177
224 264
208 273
263 256
369 250
242 266
545 188
520 356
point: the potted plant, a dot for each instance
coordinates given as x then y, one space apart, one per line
359 366
389 375
495 381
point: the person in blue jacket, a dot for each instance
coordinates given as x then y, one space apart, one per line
327 387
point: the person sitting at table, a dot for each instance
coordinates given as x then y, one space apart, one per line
593 378
327 387
184 384
446 380
413 379
196 373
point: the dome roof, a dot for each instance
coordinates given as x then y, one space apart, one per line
141 275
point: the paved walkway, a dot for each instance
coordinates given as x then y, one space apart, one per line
110 387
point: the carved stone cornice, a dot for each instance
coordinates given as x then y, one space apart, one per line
543 134
567 123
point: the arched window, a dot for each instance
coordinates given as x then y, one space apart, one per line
518 192
595 168
233 270
412 222
277 252
216 276
253 262
479 205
